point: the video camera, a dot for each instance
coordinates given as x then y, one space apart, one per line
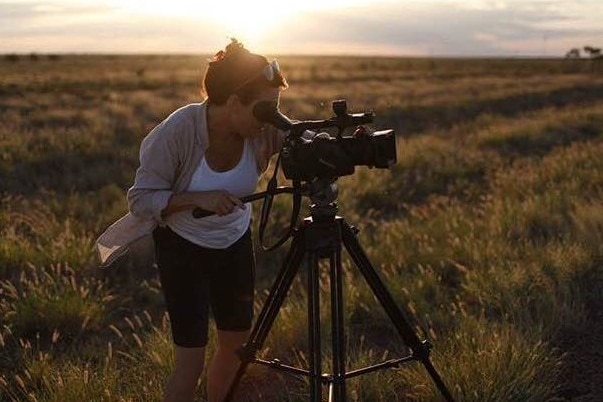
313 162
321 156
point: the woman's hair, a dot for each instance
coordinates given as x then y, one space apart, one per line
236 70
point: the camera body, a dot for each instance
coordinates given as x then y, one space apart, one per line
324 156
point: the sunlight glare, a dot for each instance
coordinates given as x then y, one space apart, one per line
246 20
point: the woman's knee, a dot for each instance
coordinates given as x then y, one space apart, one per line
231 341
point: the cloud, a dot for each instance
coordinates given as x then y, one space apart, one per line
455 29
89 28
12 12
47 17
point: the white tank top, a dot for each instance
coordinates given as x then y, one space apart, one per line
219 231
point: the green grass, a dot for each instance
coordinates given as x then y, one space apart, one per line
487 231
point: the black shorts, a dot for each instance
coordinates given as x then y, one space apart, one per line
193 278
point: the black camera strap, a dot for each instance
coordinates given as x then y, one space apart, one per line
267 206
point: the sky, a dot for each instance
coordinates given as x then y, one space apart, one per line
516 28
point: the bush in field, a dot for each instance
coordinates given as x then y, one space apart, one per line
45 300
31 233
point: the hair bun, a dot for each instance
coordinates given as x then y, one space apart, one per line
233 48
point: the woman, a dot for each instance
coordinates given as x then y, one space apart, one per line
205 155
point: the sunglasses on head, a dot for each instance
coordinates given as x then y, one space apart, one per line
271 70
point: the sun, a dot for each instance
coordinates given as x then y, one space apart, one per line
247 20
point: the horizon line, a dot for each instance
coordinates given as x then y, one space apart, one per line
331 55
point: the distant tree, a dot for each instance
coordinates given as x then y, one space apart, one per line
573 53
595 56
593 52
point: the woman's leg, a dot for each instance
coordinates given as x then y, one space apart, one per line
224 364
182 383
231 295
185 288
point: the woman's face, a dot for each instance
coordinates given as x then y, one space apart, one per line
243 120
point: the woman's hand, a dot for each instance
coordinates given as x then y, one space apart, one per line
220 202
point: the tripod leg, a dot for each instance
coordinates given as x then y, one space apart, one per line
419 349
270 310
337 325
278 292
314 349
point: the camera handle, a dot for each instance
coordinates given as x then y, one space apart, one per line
199 213
268 112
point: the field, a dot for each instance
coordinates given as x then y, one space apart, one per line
488 232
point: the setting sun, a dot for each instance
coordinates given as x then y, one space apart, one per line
248 21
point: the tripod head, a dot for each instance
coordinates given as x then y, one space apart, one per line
323 194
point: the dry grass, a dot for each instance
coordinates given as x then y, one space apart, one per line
487 232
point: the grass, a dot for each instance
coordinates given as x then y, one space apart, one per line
487 231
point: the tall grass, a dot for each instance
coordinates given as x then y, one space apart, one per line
488 231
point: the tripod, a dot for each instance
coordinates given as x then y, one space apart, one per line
321 236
